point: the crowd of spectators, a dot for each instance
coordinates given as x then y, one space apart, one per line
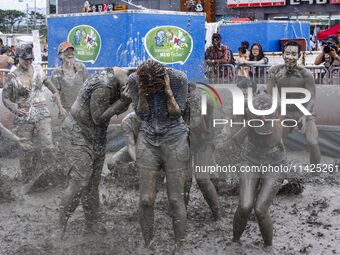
330 57
7 56
219 58
251 63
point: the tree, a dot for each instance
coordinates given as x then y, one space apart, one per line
9 17
37 22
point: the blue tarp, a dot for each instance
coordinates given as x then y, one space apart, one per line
267 33
122 36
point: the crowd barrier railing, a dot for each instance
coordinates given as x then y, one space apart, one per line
218 74
259 74
229 73
320 74
334 75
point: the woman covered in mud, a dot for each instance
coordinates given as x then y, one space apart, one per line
159 97
70 76
23 95
263 147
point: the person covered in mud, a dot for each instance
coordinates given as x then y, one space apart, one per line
84 132
130 126
159 98
23 95
201 137
258 189
22 142
292 75
70 76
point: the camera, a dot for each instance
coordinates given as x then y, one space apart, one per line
329 45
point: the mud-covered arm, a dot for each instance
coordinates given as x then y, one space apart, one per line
23 142
8 93
130 126
55 79
320 59
8 134
130 142
180 91
310 85
101 108
48 83
133 88
271 83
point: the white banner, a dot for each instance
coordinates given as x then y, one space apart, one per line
36 46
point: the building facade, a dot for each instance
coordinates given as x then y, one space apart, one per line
267 9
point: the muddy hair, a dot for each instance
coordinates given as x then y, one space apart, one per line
151 80
151 76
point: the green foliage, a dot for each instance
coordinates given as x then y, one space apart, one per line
14 21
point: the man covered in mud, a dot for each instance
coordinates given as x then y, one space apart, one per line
292 75
23 95
70 76
257 189
159 97
84 132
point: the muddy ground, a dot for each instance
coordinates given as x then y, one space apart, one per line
308 223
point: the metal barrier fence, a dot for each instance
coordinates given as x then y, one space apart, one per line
320 74
227 73
334 75
259 74
219 74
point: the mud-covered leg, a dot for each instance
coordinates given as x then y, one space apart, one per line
176 158
248 184
68 204
90 199
269 188
175 190
312 138
45 159
80 174
205 158
187 186
210 195
25 130
148 188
